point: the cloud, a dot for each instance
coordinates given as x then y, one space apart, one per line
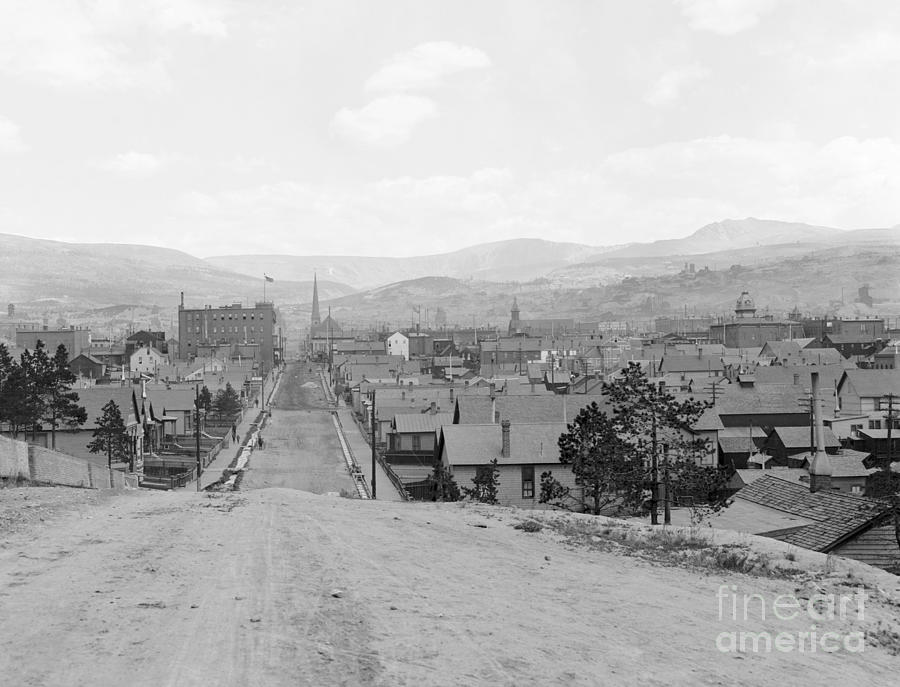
10 141
135 164
725 17
868 50
668 87
115 44
639 194
384 122
425 66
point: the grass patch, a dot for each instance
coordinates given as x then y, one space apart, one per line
528 526
669 546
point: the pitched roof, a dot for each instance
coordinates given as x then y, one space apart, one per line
691 363
798 437
738 444
780 349
529 444
835 515
521 409
421 422
750 475
871 383
709 422
761 399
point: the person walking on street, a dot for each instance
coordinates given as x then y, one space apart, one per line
233 432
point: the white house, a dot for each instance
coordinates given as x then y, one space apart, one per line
146 360
398 344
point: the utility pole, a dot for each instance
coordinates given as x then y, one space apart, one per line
373 443
197 430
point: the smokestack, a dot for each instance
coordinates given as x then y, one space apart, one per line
493 404
504 427
820 468
182 299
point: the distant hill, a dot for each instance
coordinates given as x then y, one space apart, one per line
732 234
819 281
514 260
100 274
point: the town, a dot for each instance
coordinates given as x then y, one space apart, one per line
449 344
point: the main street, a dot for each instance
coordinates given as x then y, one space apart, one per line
301 448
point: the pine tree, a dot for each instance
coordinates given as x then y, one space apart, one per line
487 483
60 402
14 405
206 398
606 468
657 426
110 436
442 484
37 368
227 401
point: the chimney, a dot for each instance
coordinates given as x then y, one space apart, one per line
820 467
433 408
182 299
504 427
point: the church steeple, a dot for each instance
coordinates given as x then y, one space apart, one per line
316 319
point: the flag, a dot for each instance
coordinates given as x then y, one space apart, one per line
268 278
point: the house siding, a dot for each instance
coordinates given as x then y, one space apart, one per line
876 546
509 491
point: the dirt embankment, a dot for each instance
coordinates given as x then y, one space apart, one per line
281 587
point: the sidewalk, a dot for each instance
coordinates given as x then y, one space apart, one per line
384 488
213 471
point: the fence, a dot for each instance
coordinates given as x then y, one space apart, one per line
19 460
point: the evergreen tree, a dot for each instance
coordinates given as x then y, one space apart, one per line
227 401
486 481
110 436
206 398
60 402
38 380
657 426
606 468
15 407
442 484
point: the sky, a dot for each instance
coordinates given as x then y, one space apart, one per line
403 128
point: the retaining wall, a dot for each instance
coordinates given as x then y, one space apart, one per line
19 460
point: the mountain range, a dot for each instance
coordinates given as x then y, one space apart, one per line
786 264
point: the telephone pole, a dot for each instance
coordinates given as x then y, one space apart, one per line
373 443
197 431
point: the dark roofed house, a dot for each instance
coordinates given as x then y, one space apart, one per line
86 365
523 409
710 365
827 521
789 446
522 451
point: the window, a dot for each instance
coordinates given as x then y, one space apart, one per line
416 442
874 424
856 489
528 481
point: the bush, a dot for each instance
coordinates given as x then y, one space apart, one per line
528 526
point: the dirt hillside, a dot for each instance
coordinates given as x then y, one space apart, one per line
282 587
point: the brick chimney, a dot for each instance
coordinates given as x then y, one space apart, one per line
504 427
820 467
433 408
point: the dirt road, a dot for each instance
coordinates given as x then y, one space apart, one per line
301 450
281 587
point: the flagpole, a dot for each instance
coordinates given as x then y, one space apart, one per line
264 287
